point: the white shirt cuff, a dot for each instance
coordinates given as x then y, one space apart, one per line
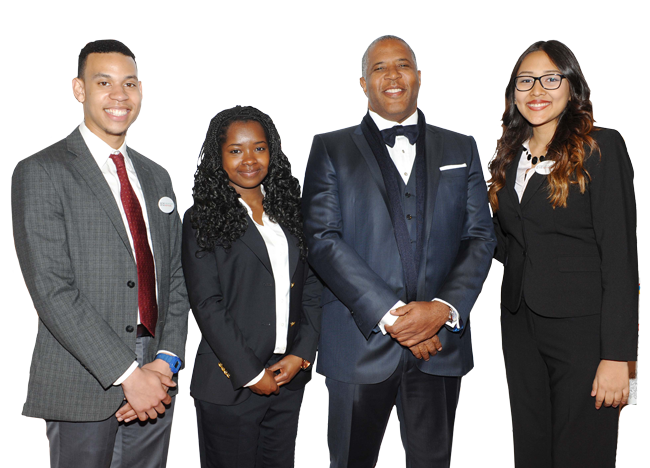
164 351
388 318
454 323
126 375
256 379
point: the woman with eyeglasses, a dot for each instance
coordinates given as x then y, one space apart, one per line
562 195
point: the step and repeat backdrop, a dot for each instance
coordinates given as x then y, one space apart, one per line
300 62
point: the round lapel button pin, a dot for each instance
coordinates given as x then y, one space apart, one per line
166 205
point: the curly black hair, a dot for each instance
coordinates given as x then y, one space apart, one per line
217 216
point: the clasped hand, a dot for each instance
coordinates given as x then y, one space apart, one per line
417 326
145 391
271 382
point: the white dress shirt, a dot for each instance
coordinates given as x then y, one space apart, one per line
278 249
101 153
525 170
403 156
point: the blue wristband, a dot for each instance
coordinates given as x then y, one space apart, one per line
173 361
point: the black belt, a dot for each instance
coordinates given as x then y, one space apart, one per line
142 331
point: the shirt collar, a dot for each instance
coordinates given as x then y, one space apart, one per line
99 149
248 208
383 124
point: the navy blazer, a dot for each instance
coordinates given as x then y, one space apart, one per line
580 259
354 251
232 295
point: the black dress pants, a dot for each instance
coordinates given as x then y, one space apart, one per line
359 413
551 364
259 432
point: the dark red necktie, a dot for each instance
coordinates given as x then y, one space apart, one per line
143 258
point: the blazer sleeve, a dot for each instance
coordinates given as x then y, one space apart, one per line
175 331
42 248
306 341
613 210
465 280
344 272
217 326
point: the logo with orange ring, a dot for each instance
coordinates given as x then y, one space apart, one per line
454 14
70 10
622 119
293 105
486 403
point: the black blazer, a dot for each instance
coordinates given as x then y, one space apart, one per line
232 294
579 260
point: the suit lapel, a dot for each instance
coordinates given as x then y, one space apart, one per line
511 176
434 146
150 191
253 239
533 186
433 153
371 161
87 167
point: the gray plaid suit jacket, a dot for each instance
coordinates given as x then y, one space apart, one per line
80 270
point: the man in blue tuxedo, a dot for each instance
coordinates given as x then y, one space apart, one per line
399 230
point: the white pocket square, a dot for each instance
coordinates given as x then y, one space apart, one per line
453 166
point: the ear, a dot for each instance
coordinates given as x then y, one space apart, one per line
79 89
362 82
419 77
140 87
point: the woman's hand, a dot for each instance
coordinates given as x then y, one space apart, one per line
611 386
267 385
288 366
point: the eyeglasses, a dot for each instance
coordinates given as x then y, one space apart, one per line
551 81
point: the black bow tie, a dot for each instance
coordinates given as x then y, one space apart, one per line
409 131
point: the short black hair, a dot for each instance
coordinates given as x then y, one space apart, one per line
103 46
388 37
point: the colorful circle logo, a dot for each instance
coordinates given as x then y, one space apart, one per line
459 11
622 118
71 9
486 403
293 105
644 288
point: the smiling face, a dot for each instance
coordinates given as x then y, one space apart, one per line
111 95
541 107
392 82
245 155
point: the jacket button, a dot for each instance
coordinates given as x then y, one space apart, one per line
130 284
130 328
407 194
409 217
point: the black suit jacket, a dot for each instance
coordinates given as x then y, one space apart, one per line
579 260
232 295
353 249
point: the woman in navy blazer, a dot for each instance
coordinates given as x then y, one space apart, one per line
564 211
252 294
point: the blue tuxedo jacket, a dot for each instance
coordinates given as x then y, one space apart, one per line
352 247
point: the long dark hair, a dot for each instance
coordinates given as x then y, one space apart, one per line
567 148
218 216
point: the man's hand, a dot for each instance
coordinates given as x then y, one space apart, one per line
418 321
145 391
267 385
288 366
611 386
427 348
126 413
